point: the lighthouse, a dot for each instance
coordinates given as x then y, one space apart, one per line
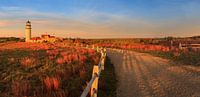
28 31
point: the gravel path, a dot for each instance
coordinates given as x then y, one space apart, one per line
142 75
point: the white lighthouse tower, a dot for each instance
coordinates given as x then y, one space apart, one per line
28 31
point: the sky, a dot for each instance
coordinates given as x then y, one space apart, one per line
101 18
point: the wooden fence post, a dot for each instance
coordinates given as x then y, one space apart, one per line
94 88
104 50
102 63
93 47
87 46
103 58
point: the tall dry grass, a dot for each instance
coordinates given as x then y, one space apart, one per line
44 70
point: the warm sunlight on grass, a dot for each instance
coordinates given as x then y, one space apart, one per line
44 69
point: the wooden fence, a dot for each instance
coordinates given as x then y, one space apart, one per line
190 47
92 86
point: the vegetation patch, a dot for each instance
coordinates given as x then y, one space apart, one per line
44 70
186 58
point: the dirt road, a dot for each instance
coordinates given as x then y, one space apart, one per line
142 75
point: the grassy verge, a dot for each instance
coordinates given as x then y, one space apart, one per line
107 81
189 58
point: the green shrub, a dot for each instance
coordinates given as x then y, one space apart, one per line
187 58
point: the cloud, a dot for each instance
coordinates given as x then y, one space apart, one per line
92 24
11 8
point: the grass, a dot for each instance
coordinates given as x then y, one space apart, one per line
166 55
185 58
179 57
35 72
190 58
108 81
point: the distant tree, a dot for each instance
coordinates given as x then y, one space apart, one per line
169 38
195 37
22 40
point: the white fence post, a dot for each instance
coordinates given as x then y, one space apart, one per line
94 88
103 57
102 63
93 47
87 46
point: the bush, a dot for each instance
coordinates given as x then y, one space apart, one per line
189 58
44 70
186 58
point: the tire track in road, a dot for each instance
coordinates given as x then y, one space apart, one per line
142 75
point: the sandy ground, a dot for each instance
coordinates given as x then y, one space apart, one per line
142 75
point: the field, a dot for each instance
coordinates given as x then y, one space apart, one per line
186 56
44 70
63 69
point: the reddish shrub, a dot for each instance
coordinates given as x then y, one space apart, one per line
55 83
28 61
64 53
91 51
52 52
75 57
47 82
82 58
51 57
51 83
60 61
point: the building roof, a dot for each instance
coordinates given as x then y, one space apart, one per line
52 37
36 38
45 35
